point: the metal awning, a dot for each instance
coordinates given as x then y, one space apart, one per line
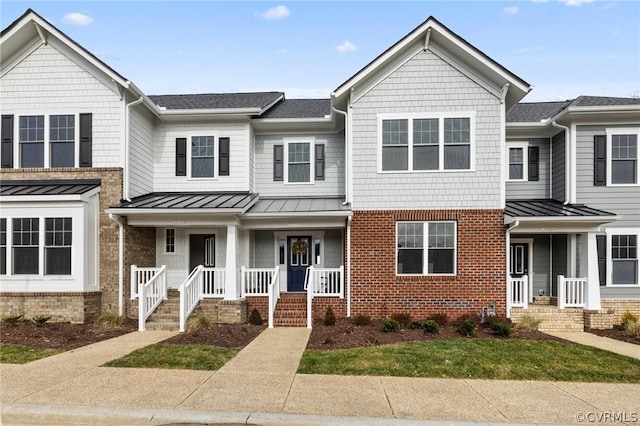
224 202
551 216
298 206
21 188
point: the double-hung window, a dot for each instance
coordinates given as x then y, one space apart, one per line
616 157
26 246
62 136
624 259
202 156
518 161
31 137
47 140
426 142
299 160
57 246
299 164
426 248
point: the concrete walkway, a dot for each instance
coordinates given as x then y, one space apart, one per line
604 343
260 386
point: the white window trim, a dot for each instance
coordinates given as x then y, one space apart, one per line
622 131
164 242
47 143
425 248
620 231
216 155
525 160
312 163
471 115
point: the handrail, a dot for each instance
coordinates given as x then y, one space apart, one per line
274 294
190 294
140 276
255 281
150 295
309 296
328 282
518 293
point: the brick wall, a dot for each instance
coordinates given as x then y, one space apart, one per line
620 306
77 308
139 249
480 278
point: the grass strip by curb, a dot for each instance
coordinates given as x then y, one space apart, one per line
497 359
166 355
20 354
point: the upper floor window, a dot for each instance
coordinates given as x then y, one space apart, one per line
62 136
523 162
305 161
197 159
426 142
202 156
426 248
32 141
299 162
616 157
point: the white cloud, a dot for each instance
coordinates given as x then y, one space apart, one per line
274 13
347 46
511 10
575 2
77 18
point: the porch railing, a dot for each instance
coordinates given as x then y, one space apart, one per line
322 282
255 281
274 294
518 293
151 294
201 283
140 276
571 292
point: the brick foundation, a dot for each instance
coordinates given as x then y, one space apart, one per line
77 308
620 306
601 319
480 278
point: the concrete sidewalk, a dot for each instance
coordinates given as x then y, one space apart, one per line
604 343
260 385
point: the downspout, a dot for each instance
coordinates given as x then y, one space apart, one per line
347 195
503 144
125 172
348 271
120 262
513 226
568 163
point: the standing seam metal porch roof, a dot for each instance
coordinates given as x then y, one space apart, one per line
47 187
551 208
295 205
194 200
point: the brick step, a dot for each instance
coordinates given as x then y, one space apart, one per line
290 314
162 325
162 316
290 322
291 306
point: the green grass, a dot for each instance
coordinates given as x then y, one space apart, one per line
19 354
166 355
502 359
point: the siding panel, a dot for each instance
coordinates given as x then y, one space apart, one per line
558 168
533 189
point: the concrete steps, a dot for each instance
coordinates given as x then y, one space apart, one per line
553 318
291 310
167 315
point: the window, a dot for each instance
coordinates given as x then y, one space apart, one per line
624 258
437 256
31 139
517 163
202 156
26 242
624 159
299 161
62 138
57 246
299 165
423 143
170 240
210 252
3 246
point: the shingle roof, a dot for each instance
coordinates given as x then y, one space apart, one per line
583 101
298 205
194 200
533 112
217 100
546 208
300 108
47 187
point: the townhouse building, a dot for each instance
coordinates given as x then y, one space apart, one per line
422 185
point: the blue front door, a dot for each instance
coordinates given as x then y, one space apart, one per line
298 260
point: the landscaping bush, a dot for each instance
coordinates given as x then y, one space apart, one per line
40 320
502 329
402 319
13 319
633 329
629 317
528 323
467 327
415 325
441 319
111 319
430 326
329 317
390 326
361 320
198 321
255 318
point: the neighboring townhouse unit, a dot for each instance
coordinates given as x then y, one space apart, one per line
420 186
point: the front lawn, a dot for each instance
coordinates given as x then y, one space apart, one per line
167 355
485 358
20 354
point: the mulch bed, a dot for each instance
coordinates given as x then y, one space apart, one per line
618 333
345 335
61 335
223 335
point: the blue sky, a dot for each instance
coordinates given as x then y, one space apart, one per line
563 48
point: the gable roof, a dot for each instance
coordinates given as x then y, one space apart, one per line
536 112
432 31
300 108
259 100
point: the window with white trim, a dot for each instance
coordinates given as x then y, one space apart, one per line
426 248
518 161
202 156
426 142
31 139
624 259
3 246
47 140
299 162
57 246
25 242
622 156
170 240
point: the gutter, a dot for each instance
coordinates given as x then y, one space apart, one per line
348 266
120 262
127 136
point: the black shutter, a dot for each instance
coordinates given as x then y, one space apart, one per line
86 131
181 156
534 163
278 167
319 162
7 141
599 160
601 244
223 159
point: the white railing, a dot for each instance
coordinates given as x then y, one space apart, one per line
518 293
150 295
255 281
140 276
201 283
571 292
274 294
322 282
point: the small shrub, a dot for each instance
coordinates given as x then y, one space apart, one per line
13 319
502 329
629 317
467 327
255 318
430 326
198 321
415 325
40 320
361 320
111 319
528 323
633 329
390 325
402 319
441 319
329 317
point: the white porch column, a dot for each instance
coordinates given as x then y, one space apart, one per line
231 287
572 252
589 270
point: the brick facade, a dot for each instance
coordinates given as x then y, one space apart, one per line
77 307
480 279
620 306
